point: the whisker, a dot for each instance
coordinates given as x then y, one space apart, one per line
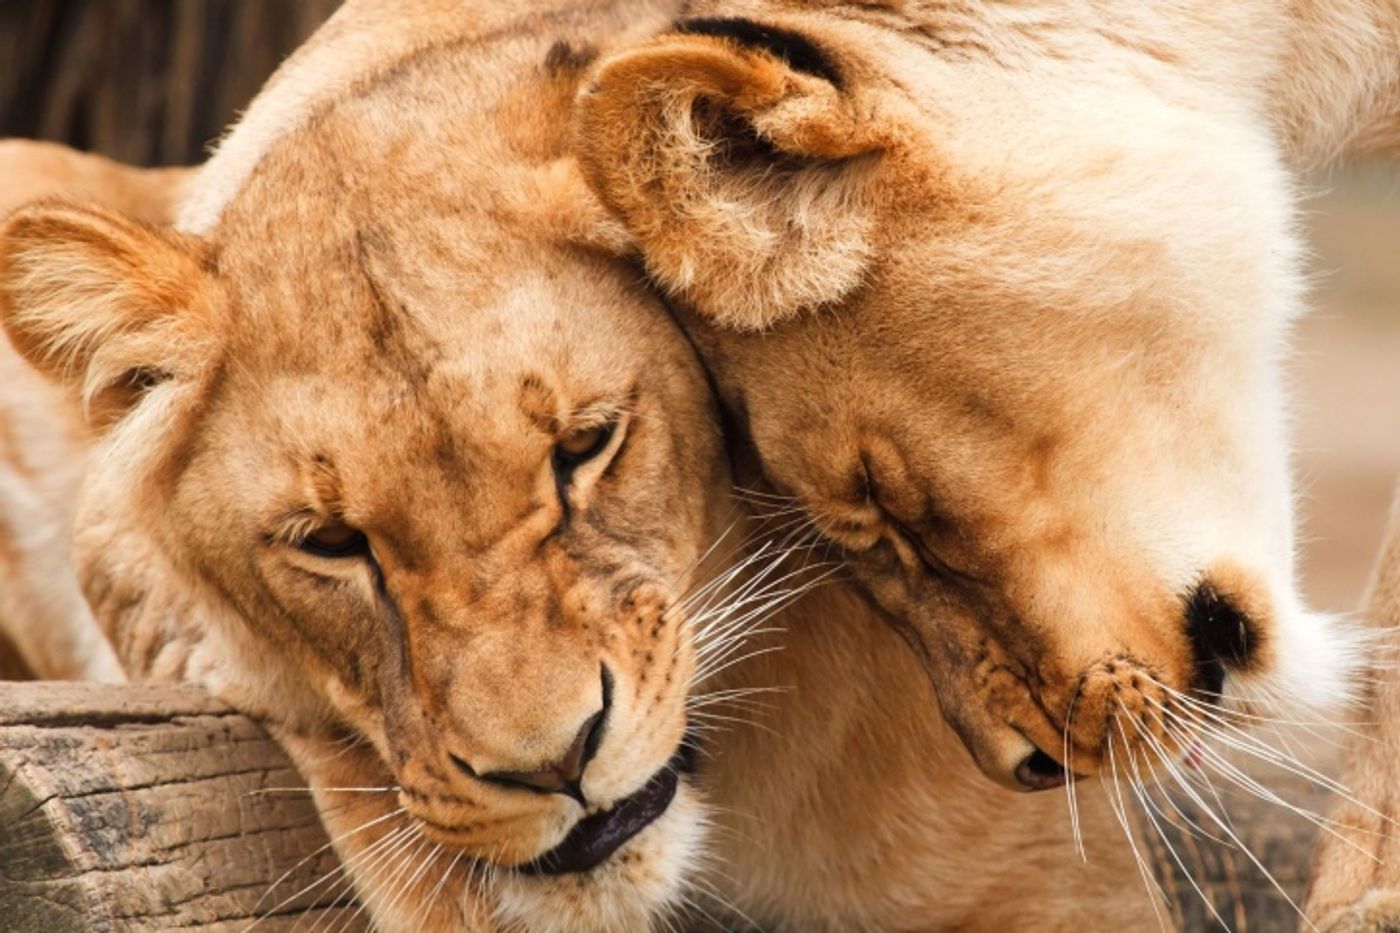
406 887
1228 829
431 899
283 877
1120 811
1227 770
1165 757
1071 795
1240 741
1148 806
341 873
367 877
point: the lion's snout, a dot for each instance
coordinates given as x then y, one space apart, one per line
1118 716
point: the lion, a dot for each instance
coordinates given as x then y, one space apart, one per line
387 446
998 295
398 457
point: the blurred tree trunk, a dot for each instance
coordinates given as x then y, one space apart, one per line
150 82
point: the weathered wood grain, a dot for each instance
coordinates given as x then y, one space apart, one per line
150 808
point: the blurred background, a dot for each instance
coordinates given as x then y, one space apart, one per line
154 82
1347 380
151 82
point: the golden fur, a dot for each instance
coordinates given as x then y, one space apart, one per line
237 389
780 776
868 814
999 294
394 321
41 608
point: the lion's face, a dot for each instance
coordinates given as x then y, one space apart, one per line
1012 340
463 508
452 474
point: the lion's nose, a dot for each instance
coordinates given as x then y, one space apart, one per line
565 775
1222 636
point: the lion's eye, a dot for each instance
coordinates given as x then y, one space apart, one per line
582 445
336 540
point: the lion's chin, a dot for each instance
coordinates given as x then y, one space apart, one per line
639 884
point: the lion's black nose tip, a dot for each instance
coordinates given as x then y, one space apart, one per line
1038 771
1223 637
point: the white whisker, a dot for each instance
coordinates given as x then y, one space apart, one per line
343 836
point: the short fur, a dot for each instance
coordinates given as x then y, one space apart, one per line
839 722
310 354
401 307
1004 311
41 440
926 851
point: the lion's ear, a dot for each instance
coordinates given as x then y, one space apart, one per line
104 305
738 161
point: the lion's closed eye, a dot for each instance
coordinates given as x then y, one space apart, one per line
335 540
581 445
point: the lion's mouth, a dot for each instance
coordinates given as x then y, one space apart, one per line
595 838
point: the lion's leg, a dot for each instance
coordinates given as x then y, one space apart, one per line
1356 878
402 880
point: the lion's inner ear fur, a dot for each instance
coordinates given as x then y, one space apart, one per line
104 305
737 161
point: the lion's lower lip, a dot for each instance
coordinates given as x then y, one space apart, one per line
596 837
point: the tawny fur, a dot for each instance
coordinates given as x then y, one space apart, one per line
397 342
1028 375
180 604
914 855
806 780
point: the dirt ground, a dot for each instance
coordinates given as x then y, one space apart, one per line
1347 384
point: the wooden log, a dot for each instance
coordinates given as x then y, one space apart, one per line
144 807
1217 885
147 807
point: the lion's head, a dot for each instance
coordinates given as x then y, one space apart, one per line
1002 308
424 465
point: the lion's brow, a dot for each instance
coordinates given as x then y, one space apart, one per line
390 325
